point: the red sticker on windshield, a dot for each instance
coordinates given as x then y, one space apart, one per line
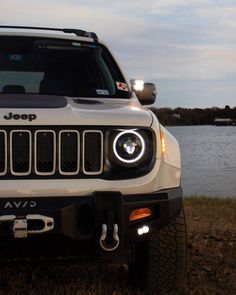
122 86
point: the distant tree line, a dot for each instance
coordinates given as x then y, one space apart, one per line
196 116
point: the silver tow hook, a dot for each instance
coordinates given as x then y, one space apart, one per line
110 245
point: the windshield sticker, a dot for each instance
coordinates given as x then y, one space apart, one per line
122 86
15 57
102 92
76 44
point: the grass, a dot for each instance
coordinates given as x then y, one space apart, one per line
212 261
212 246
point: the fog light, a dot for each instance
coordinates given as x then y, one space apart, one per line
143 230
140 214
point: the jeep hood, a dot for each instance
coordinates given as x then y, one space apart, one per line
59 110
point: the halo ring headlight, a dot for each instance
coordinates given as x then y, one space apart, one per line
138 137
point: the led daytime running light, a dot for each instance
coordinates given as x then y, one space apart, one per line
142 148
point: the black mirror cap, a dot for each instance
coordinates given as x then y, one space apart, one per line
148 95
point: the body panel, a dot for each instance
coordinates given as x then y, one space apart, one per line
91 112
172 152
162 176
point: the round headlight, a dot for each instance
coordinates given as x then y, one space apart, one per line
129 146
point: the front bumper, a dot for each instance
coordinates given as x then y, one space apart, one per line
81 218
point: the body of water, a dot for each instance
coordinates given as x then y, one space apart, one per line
208 159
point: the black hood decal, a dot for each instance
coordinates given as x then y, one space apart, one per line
32 101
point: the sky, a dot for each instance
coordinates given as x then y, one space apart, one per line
186 47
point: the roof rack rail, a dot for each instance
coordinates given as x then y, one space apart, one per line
80 33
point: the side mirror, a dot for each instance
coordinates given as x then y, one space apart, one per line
145 92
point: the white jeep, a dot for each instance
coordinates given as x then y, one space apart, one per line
85 169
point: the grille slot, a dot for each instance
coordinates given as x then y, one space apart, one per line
92 152
20 152
45 152
3 152
69 150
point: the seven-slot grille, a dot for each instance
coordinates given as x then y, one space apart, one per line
46 152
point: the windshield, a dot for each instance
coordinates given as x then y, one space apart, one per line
59 67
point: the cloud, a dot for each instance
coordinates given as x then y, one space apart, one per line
187 93
177 41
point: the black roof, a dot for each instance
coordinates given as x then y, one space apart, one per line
77 32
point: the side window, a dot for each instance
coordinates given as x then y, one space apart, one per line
109 82
115 72
113 67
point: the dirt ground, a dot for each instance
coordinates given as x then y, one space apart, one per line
212 261
212 246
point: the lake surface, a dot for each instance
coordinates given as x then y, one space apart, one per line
208 159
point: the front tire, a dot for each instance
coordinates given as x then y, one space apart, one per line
160 262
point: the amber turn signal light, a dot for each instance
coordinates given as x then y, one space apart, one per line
140 214
163 143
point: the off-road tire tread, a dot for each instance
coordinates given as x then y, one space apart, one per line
167 258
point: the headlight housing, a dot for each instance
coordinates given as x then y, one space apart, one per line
130 152
129 146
